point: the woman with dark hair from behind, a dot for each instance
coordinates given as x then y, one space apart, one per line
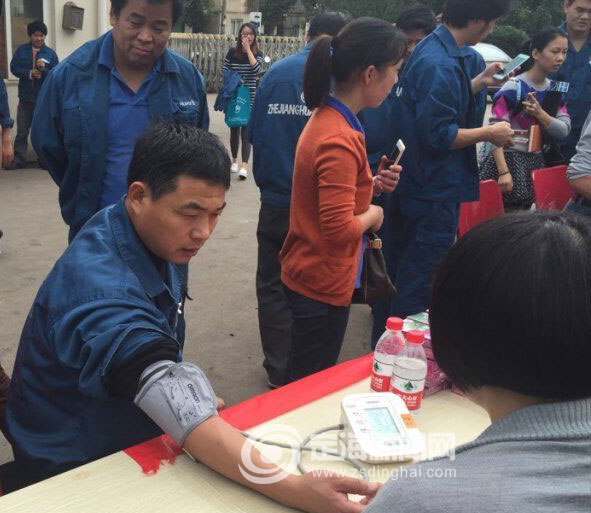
531 98
510 326
333 187
247 60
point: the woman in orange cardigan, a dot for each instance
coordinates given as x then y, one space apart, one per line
333 187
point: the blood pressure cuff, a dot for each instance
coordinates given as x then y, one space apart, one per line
177 397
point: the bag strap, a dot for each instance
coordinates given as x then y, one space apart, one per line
373 241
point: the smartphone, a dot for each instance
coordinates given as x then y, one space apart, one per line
396 154
510 67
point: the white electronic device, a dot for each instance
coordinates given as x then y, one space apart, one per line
397 153
512 66
379 428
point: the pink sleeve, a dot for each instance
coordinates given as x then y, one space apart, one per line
500 109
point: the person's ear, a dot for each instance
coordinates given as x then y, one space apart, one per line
368 74
112 18
137 194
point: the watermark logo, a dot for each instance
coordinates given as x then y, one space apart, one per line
280 458
326 446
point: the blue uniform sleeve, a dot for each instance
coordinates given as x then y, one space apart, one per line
203 121
5 119
53 62
437 107
96 337
47 130
256 113
20 65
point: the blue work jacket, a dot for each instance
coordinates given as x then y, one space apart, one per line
69 131
21 66
5 120
576 70
103 300
436 102
230 85
382 129
278 118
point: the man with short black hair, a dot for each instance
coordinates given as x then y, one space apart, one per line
278 118
382 124
98 102
442 97
99 366
576 70
31 63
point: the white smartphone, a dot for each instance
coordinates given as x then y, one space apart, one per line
510 67
396 154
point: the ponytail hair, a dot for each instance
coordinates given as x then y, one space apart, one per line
361 43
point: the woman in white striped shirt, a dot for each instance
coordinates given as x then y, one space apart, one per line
247 60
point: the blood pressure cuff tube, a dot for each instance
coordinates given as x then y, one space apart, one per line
177 397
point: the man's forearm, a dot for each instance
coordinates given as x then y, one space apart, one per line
477 84
219 446
582 186
470 136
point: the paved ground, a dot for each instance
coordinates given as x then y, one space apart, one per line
222 326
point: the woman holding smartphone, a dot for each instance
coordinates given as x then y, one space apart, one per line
531 98
247 60
333 187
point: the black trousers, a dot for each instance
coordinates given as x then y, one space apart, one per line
274 313
239 135
24 119
316 336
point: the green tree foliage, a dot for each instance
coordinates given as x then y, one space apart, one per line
384 9
274 11
197 13
509 38
524 20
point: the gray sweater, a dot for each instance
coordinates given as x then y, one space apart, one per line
580 164
537 459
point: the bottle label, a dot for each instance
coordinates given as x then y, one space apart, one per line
381 372
412 401
409 390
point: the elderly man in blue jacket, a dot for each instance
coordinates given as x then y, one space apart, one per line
278 118
31 64
441 93
96 104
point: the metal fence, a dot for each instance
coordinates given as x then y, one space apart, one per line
207 52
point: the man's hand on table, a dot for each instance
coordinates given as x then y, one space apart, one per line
323 493
221 404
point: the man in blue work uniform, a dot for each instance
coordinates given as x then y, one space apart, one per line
576 70
31 63
278 118
95 105
382 124
99 365
442 113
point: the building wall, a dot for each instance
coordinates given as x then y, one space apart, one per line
236 10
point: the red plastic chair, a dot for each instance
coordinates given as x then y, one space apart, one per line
551 188
489 205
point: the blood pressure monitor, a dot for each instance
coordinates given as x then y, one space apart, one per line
378 428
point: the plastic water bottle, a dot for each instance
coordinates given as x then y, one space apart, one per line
389 345
410 370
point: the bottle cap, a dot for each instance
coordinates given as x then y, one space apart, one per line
394 324
415 337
